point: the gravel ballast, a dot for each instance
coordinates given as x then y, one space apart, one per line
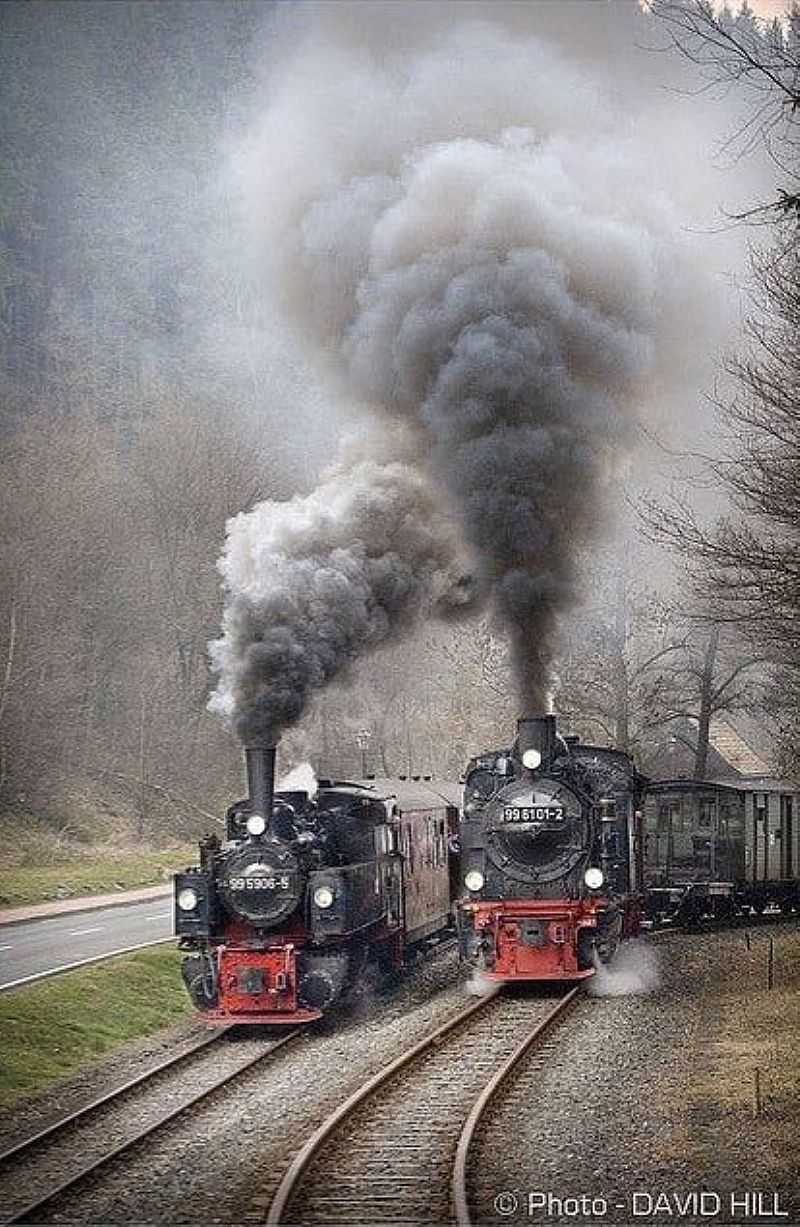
207 1168
644 1103
648 1093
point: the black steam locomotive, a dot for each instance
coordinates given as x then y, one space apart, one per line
279 919
551 856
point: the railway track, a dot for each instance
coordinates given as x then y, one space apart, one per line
60 1149
734 924
395 1150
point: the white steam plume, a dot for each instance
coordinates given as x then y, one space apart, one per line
302 778
634 970
451 213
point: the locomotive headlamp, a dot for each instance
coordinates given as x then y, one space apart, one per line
474 880
256 825
594 878
323 896
531 759
187 900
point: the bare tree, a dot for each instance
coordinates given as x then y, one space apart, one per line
639 668
616 669
745 567
715 675
763 63
746 564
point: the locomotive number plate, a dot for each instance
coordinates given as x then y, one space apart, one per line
282 883
533 813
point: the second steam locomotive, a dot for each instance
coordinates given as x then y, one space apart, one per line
279 919
551 854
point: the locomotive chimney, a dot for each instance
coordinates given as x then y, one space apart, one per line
261 779
537 733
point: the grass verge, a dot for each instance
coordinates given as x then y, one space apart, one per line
737 1116
101 876
59 1026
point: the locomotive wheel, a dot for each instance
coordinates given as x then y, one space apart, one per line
606 948
323 979
586 949
358 982
197 973
723 908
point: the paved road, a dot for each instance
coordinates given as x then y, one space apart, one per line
39 946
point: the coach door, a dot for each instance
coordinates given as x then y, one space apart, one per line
388 838
787 837
760 853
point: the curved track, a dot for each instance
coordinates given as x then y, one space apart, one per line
532 1040
392 1151
32 1150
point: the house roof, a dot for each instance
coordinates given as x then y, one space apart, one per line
731 746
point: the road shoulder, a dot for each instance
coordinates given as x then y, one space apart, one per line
85 903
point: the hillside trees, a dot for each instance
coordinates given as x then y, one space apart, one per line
108 595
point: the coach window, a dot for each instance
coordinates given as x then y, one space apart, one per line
705 818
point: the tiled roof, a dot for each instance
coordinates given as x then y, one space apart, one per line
735 750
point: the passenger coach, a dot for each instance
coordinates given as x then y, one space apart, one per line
720 848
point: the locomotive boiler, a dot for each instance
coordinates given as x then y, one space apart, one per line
279 919
551 856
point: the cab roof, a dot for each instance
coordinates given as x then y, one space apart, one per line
408 794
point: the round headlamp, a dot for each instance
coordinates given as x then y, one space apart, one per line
323 896
187 900
594 878
474 880
531 758
256 825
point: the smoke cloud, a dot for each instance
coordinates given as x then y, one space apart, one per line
302 778
315 581
460 225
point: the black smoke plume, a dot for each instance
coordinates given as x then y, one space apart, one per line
454 218
313 582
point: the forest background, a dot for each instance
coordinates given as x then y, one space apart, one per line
148 394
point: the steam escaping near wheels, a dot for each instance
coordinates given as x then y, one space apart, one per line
455 222
633 971
479 985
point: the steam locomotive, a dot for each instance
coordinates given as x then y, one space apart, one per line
551 848
280 918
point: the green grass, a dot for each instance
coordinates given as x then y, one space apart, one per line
101 874
52 1029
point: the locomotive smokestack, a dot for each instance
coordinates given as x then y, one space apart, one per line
261 779
537 733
